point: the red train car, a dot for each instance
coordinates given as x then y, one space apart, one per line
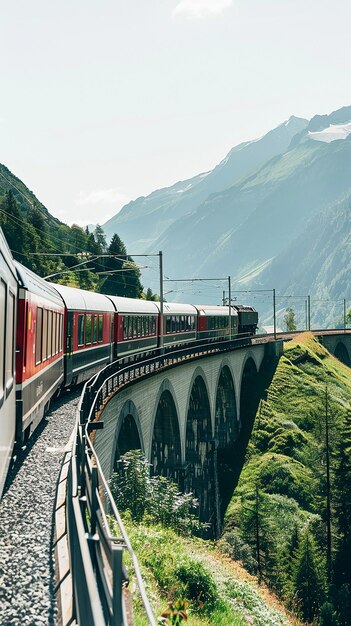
39 358
136 326
213 321
88 331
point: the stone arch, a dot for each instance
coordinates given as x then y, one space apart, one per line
249 396
226 419
342 354
200 448
166 454
226 435
128 435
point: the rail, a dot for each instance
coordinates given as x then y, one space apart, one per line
99 579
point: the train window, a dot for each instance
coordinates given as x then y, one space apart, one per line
101 327
81 319
44 351
49 334
147 326
53 337
58 332
2 335
95 328
38 336
125 327
168 324
88 329
61 331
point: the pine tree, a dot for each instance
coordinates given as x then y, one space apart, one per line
257 532
100 238
289 319
342 514
308 578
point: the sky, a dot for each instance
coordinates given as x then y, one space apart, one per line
103 101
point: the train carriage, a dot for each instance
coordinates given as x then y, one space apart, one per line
179 323
39 358
213 322
8 310
88 332
136 326
248 319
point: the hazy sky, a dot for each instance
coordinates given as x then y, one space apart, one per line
106 100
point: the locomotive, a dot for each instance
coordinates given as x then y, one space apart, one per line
53 337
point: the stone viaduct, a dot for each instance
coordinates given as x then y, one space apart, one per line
193 421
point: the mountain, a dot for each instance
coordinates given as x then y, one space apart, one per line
317 262
240 230
25 198
141 222
262 227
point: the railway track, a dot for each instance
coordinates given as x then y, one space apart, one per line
27 572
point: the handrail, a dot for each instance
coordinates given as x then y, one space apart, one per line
96 555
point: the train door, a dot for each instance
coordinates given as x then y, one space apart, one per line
69 348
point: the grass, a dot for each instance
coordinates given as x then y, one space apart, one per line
218 589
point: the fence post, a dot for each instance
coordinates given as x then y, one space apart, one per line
94 500
117 611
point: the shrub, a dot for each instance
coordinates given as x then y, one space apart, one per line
156 498
232 543
198 585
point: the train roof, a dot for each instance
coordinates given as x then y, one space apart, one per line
176 308
35 284
6 254
214 310
83 300
132 305
244 307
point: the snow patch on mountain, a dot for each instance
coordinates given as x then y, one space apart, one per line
332 133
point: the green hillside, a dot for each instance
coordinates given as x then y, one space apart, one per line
277 520
215 589
69 255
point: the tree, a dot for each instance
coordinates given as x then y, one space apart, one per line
348 317
342 515
156 498
100 238
308 578
123 277
257 532
289 319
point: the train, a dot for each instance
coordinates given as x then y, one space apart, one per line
53 337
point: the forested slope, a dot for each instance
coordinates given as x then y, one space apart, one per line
277 522
69 255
